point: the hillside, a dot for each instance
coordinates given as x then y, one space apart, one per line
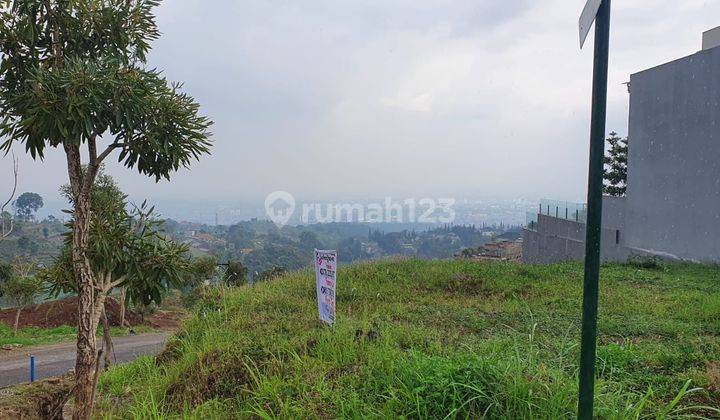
432 339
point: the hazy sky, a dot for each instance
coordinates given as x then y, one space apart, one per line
331 99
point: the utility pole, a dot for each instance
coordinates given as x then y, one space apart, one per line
599 11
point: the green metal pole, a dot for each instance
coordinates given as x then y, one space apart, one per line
594 214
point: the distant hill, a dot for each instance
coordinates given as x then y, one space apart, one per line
30 239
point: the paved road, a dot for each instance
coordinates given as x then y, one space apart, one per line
57 359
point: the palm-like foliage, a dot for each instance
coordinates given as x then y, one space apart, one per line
126 249
74 70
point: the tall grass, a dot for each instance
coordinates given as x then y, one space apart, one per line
447 339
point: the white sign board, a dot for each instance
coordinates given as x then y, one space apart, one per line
325 280
587 17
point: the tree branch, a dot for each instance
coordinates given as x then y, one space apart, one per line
92 150
109 150
95 161
108 287
74 169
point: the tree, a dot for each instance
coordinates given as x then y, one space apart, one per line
235 273
202 269
6 220
128 249
616 165
27 204
72 73
21 288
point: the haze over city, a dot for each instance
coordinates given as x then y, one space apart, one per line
338 101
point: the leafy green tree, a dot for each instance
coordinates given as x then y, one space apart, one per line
128 248
27 204
72 74
202 269
21 288
616 165
235 274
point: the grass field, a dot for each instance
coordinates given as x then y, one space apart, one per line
437 339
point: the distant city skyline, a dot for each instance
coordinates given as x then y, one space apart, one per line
469 209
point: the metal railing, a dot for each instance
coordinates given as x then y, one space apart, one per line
560 209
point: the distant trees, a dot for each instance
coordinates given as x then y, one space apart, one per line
240 236
235 274
277 252
616 159
271 273
439 247
20 287
28 245
202 269
310 240
351 249
27 204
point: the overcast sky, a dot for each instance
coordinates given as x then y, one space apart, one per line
332 100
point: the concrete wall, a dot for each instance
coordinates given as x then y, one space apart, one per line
673 194
557 240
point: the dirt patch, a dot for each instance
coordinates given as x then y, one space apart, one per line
467 284
63 312
39 400
214 375
165 320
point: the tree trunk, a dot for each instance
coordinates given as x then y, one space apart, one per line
88 313
106 339
17 320
90 298
123 291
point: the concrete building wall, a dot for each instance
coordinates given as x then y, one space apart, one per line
557 240
673 194
614 212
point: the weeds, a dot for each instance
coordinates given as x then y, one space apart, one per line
441 339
